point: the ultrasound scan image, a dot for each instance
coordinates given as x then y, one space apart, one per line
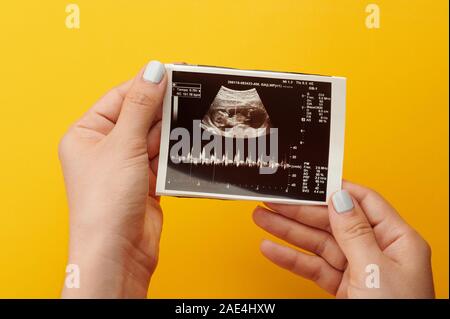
235 113
242 110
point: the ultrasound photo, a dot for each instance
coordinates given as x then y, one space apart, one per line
237 113
246 137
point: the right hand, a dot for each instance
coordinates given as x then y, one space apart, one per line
357 233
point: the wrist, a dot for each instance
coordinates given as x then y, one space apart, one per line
109 267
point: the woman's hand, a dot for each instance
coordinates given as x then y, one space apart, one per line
361 247
109 160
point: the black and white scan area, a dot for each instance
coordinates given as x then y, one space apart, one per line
237 114
248 136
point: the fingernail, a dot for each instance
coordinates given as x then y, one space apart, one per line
154 72
342 201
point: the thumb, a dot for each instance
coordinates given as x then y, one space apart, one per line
352 231
142 104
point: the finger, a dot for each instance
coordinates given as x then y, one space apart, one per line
154 165
387 223
103 115
315 216
352 231
374 205
151 183
310 267
153 140
314 240
143 102
154 222
152 177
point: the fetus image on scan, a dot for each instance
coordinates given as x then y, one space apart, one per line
239 114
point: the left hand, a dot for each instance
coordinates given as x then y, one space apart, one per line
109 160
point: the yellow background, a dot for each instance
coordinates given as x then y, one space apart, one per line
396 133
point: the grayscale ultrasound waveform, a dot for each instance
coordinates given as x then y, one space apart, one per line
236 161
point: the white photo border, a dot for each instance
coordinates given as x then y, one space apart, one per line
337 132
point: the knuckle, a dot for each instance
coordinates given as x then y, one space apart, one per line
425 248
357 230
65 144
117 92
294 264
418 243
316 272
141 99
321 245
373 195
288 233
298 213
329 250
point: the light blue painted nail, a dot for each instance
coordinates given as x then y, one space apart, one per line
154 72
342 201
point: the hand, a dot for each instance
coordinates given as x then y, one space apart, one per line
109 159
358 230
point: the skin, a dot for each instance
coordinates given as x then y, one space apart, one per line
337 247
109 160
